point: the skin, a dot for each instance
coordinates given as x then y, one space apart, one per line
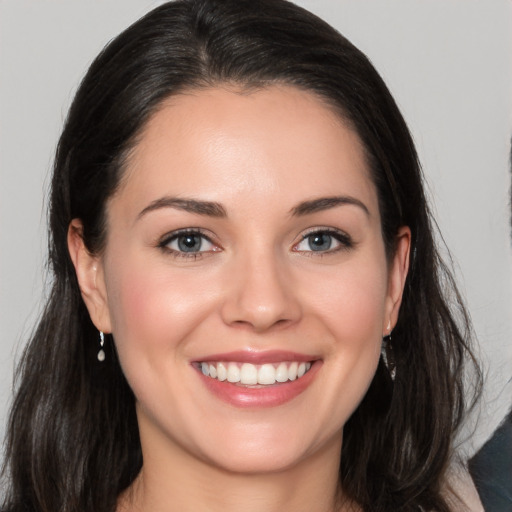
257 286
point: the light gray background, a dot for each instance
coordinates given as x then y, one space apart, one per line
447 62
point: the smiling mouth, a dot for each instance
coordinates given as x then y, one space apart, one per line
248 374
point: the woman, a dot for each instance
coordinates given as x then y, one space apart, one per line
247 310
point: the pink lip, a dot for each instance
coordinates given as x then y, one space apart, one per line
257 357
260 396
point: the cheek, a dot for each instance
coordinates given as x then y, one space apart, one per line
153 309
154 313
351 311
352 302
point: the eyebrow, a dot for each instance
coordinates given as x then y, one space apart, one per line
212 209
325 203
208 208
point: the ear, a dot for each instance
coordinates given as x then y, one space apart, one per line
89 272
398 269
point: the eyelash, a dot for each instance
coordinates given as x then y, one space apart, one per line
175 235
344 240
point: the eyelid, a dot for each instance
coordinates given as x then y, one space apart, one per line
344 240
168 238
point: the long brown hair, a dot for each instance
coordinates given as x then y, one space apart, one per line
73 441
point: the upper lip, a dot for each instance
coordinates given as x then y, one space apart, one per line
258 357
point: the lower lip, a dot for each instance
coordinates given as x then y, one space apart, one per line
264 396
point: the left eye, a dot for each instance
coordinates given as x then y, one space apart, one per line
189 242
322 241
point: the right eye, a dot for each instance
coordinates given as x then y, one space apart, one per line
188 243
320 241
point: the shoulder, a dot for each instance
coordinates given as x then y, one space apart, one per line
461 492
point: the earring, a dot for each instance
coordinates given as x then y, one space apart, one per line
101 352
387 354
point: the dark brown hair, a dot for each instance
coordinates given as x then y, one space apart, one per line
73 441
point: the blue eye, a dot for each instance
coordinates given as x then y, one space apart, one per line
323 241
187 242
319 242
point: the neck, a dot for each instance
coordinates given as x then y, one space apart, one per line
179 482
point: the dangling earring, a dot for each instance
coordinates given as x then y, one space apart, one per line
101 352
387 354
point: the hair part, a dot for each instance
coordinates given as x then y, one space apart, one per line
73 438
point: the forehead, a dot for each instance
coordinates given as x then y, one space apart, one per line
218 143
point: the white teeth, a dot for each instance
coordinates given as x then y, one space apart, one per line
222 373
267 374
292 371
282 373
249 374
233 373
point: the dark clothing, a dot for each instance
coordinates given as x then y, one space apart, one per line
491 469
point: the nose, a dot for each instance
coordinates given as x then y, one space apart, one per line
260 295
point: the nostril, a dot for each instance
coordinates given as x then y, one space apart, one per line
258 326
260 302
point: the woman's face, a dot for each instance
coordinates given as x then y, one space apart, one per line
245 244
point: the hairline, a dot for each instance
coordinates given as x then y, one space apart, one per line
241 87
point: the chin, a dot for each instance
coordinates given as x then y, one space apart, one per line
259 461
267 450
